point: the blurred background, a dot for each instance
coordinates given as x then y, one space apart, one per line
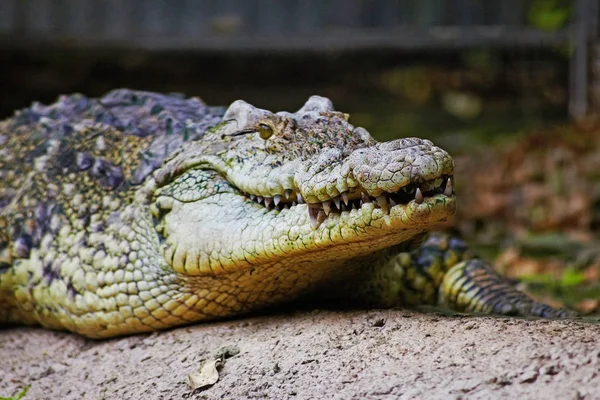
510 87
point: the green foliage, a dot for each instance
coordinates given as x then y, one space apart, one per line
571 277
17 396
549 15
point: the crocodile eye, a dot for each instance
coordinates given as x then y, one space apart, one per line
265 131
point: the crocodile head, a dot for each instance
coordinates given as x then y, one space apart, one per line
264 189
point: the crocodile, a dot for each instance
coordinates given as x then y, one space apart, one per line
140 211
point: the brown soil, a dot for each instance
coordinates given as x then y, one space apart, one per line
316 355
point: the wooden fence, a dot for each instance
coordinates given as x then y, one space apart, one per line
310 25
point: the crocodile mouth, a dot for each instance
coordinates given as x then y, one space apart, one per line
354 198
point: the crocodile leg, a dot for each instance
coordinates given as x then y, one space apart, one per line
474 286
439 271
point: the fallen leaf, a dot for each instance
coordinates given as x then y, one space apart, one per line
207 375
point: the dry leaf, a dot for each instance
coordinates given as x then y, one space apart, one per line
207 375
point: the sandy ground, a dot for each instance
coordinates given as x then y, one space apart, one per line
377 354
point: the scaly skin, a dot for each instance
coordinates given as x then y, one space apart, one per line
128 214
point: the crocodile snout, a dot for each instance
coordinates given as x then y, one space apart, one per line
388 174
387 167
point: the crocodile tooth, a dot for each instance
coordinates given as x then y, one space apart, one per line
294 204
392 202
419 196
154 210
276 199
299 199
268 201
326 206
336 201
382 201
259 199
345 198
365 197
313 214
287 193
448 191
252 197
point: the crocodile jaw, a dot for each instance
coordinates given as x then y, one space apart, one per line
248 234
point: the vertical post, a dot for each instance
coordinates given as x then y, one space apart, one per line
594 62
578 79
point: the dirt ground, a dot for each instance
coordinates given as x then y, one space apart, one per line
377 354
